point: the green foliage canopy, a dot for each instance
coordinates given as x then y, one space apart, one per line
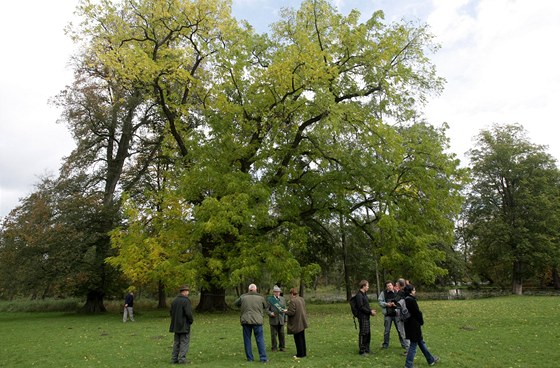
288 130
513 208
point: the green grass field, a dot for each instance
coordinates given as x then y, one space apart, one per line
499 332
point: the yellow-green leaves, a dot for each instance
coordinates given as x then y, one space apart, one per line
278 134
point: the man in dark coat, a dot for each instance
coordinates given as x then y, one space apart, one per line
364 313
128 307
181 320
413 329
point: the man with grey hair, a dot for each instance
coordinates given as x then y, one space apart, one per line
252 307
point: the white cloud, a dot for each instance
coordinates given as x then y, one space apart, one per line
501 68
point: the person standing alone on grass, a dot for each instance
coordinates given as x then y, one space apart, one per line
387 300
413 329
297 322
181 321
128 307
276 309
252 309
364 313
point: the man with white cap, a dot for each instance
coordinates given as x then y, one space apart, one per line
276 309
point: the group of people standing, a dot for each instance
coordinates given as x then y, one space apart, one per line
253 307
409 331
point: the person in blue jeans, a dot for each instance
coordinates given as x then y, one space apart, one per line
387 301
413 329
252 306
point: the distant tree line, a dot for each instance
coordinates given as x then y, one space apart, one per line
212 155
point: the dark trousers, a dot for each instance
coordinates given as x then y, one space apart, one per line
277 334
301 349
364 336
181 343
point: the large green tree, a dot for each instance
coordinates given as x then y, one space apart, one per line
249 157
118 134
513 208
280 135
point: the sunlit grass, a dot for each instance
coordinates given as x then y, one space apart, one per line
496 332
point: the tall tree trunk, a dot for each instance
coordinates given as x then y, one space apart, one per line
377 278
345 260
102 270
301 288
212 300
517 277
162 297
556 278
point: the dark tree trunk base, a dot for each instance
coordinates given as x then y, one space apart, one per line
212 301
94 303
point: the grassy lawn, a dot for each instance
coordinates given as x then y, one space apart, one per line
499 332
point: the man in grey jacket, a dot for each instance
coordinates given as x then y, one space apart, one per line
387 300
252 306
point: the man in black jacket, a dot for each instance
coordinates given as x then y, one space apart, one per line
181 320
128 307
364 313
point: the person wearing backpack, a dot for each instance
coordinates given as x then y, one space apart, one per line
399 291
413 329
364 313
387 302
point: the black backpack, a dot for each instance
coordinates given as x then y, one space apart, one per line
354 306
402 311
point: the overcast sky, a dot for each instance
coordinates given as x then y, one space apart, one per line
499 58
